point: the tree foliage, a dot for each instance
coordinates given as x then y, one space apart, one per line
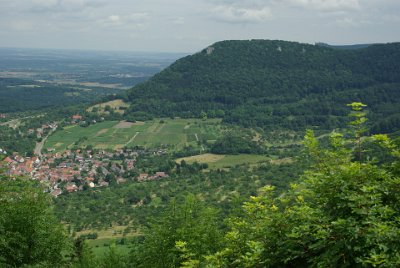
343 212
232 143
29 232
185 231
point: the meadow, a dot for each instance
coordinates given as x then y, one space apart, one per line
216 161
111 236
173 133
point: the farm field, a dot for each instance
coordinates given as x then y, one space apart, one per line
174 133
215 161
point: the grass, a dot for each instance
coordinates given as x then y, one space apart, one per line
175 133
215 161
101 246
116 105
108 237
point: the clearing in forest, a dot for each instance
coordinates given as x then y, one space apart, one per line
117 106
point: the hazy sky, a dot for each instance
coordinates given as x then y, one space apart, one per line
190 25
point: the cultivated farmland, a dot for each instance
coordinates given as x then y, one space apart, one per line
174 133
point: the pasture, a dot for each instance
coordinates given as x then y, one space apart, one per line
216 161
174 133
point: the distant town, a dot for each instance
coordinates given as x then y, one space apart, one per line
79 169
72 171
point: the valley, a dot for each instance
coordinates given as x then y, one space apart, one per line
244 147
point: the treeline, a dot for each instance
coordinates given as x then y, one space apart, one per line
233 143
273 84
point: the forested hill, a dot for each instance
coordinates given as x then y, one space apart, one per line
276 83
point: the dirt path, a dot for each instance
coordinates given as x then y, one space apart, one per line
137 133
39 145
197 139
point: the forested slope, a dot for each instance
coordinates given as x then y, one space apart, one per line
276 83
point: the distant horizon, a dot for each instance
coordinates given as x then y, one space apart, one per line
183 52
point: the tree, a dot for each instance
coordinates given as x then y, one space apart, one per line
29 232
343 212
113 259
82 256
190 224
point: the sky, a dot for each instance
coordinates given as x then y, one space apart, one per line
191 25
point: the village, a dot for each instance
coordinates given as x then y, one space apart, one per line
71 171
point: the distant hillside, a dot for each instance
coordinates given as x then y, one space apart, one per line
276 83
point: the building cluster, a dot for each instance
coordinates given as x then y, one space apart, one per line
43 130
72 171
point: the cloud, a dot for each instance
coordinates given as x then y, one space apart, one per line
178 21
22 26
241 14
138 17
113 24
328 5
133 20
45 3
114 18
51 6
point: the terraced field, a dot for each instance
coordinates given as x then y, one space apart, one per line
175 133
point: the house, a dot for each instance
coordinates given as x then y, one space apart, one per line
71 188
3 116
89 179
121 180
161 175
143 176
8 160
103 183
77 117
56 192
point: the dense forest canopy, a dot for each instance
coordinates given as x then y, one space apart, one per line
277 83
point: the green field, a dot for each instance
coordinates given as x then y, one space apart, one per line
215 161
175 133
101 246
